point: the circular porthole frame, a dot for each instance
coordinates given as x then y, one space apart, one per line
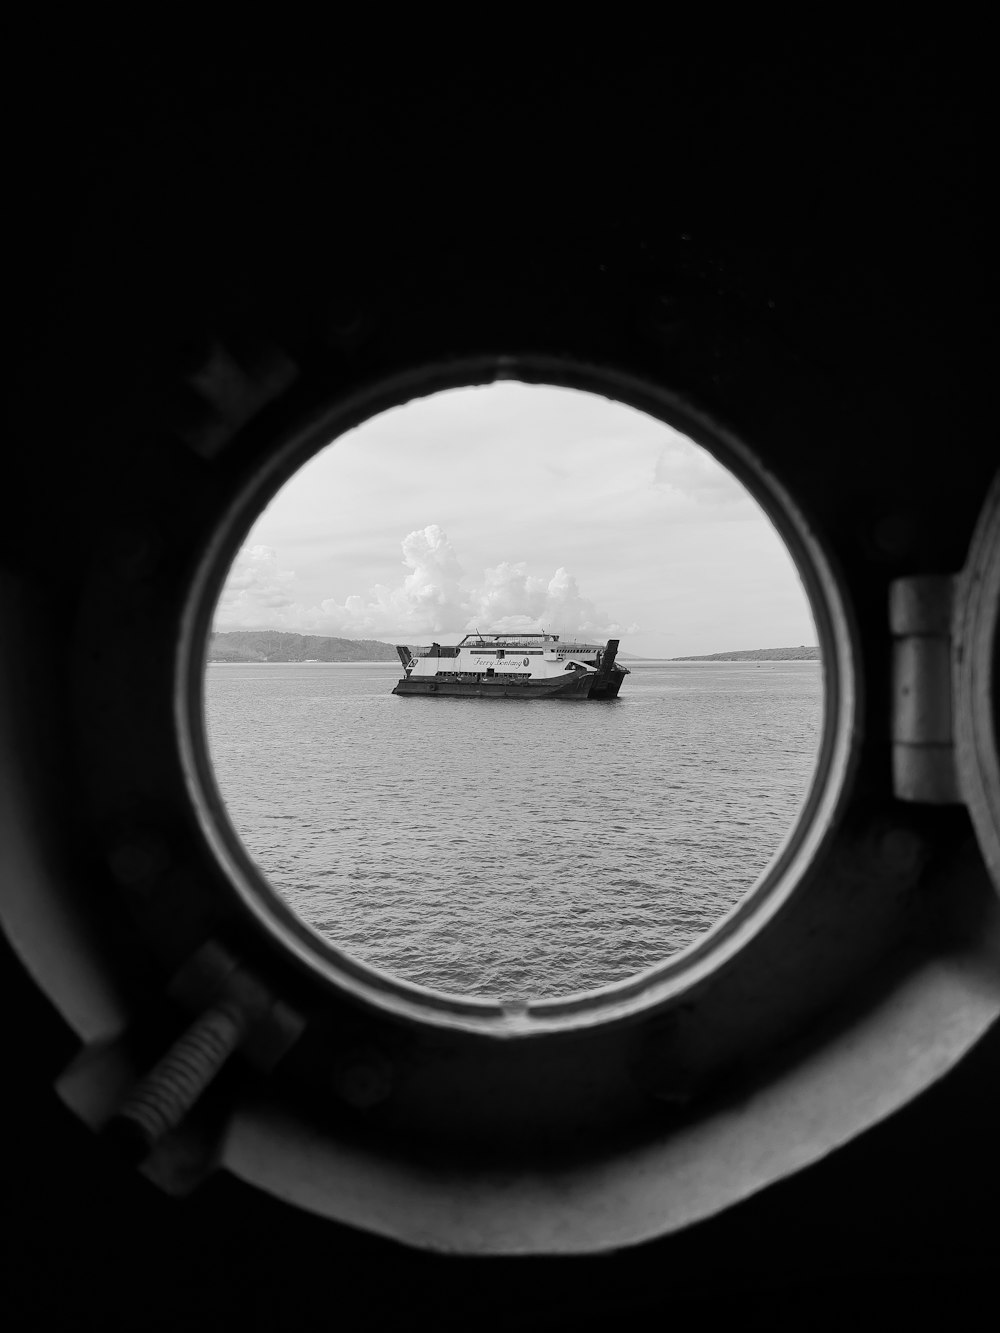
681 974
826 1001
976 670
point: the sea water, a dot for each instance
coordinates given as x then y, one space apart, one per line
511 848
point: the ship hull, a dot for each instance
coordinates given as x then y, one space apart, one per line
608 689
569 687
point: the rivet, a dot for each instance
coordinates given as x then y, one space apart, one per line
346 323
893 534
363 1079
666 1077
135 553
139 858
900 851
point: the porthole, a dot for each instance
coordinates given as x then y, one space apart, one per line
574 1123
652 982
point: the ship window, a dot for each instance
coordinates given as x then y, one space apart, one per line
704 765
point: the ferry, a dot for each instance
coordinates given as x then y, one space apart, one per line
513 666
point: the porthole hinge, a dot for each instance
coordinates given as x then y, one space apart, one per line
923 751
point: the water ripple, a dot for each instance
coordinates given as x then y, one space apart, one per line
496 848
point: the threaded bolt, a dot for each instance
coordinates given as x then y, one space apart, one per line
161 1099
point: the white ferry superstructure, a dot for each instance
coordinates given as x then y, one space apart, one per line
512 666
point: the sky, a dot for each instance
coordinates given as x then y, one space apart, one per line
516 506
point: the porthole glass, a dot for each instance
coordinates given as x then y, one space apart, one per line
591 809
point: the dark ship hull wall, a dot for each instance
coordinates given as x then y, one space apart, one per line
608 687
577 687
839 325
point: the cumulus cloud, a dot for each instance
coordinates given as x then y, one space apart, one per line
434 598
256 586
510 598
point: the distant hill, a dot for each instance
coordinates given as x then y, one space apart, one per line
269 645
799 654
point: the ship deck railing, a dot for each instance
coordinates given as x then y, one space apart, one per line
560 649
